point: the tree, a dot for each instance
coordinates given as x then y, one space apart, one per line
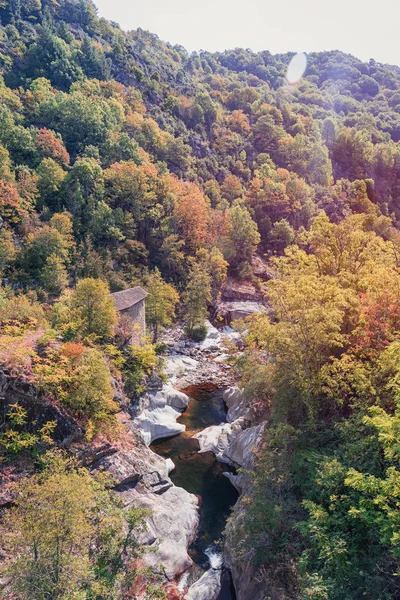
54 276
94 308
281 235
197 297
68 536
243 239
50 146
214 263
39 246
51 57
90 394
7 250
12 206
231 188
93 61
51 176
161 303
191 213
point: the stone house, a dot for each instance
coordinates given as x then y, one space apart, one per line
131 305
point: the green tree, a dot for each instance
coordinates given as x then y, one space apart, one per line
161 303
214 263
197 297
54 276
281 235
52 58
93 306
46 242
243 239
50 179
68 536
8 250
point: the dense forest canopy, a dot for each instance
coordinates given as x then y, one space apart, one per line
127 161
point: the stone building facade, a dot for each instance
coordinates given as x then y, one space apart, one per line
131 304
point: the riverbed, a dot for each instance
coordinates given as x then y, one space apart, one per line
202 474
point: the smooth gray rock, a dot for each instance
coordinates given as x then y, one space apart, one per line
236 404
239 451
136 466
159 412
172 526
213 340
207 587
216 438
177 365
158 423
237 311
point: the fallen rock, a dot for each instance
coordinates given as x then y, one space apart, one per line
213 339
177 365
261 268
136 466
236 290
175 399
170 465
221 358
157 412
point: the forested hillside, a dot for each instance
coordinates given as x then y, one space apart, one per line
127 161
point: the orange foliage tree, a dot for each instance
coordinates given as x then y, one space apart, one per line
191 212
13 208
51 146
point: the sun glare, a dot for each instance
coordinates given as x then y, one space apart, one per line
297 67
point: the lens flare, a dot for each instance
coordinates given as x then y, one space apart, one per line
297 67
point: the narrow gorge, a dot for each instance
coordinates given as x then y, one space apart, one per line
197 436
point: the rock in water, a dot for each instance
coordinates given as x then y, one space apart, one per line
159 413
217 437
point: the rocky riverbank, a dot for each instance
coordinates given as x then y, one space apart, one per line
155 416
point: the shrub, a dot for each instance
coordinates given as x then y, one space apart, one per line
198 333
80 378
141 362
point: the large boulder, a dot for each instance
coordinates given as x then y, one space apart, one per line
239 451
157 413
216 438
177 365
207 587
137 466
235 402
239 310
237 291
213 339
172 526
142 480
158 423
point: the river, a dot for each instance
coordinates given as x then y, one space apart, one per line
203 475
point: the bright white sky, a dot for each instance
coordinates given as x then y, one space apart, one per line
365 28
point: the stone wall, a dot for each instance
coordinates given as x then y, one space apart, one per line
137 314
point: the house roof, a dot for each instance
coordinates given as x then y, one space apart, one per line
128 298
